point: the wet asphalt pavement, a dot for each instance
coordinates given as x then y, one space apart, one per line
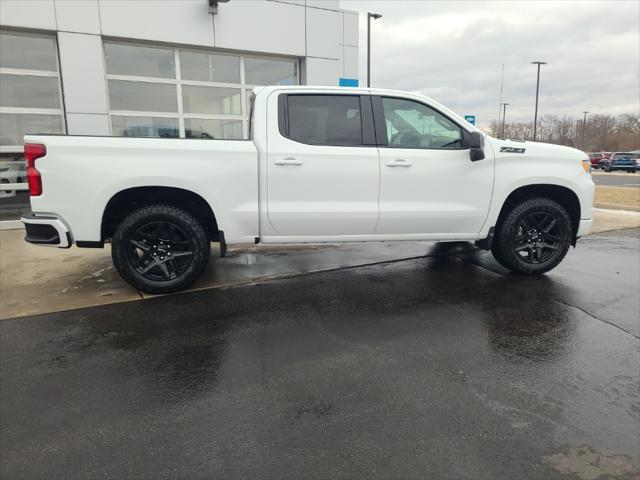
438 367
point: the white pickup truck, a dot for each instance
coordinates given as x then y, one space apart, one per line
322 165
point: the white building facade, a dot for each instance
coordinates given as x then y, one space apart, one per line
155 68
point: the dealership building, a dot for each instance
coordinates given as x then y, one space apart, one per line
155 68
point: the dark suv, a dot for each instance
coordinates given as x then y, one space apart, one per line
620 161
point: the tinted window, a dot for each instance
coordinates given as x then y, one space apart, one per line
325 119
414 125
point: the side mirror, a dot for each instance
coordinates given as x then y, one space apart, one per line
476 146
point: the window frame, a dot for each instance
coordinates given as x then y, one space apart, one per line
381 128
366 117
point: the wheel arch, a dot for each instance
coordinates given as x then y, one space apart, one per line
130 199
561 194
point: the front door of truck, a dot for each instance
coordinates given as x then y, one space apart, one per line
428 184
323 172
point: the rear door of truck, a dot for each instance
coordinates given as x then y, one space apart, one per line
322 165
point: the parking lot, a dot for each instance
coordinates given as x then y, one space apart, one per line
437 365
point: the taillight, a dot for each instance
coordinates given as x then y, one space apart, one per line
33 151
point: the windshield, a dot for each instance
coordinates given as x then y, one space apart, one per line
623 155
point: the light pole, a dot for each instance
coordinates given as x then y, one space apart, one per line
584 126
535 115
375 16
504 114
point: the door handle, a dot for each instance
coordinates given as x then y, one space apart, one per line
398 162
288 161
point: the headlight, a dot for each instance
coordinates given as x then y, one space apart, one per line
586 166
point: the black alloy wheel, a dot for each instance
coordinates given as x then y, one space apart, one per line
160 251
538 237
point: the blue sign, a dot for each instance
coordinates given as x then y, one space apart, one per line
471 119
348 82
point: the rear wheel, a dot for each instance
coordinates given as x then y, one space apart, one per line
534 237
160 249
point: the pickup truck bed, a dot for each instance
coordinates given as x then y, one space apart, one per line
83 174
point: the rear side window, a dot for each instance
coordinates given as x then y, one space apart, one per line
324 119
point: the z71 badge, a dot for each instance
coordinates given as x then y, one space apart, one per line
512 149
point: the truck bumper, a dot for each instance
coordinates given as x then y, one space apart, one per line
584 227
46 229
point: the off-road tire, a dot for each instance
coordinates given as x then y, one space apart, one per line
508 236
183 222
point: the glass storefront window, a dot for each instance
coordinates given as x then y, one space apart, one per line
139 61
207 91
30 103
14 198
212 129
146 97
211 100
13 203
145 127
205 67
263 71
29 91
28 52
14 126
12 169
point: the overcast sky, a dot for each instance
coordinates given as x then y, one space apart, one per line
453 51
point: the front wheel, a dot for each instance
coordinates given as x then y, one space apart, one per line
160 249
534 237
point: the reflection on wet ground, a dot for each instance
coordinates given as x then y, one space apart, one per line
440 367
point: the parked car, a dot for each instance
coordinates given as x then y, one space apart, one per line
621 161
11 173
595 158
323 165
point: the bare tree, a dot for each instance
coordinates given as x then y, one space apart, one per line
601 132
